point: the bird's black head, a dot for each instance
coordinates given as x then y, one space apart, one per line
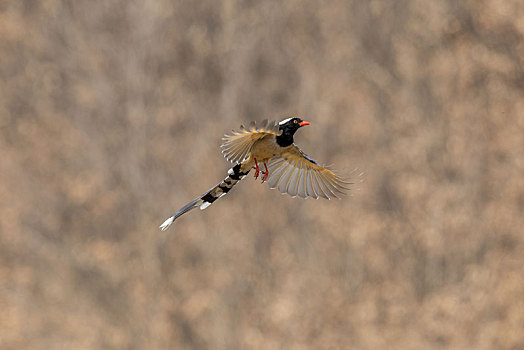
288 127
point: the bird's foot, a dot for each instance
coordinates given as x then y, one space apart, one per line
257 169
265 173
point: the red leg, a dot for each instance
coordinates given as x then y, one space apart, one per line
266 173
257 169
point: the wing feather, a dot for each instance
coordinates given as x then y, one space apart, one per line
295 173
236 147
276 172
301 184
284 180
309 185
331 185
295 180
290 184
325 186
318 188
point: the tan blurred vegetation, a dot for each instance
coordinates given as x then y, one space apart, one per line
111 117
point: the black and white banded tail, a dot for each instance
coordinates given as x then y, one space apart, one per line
234 175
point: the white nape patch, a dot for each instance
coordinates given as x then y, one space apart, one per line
230 171
167 223
285 121
204 205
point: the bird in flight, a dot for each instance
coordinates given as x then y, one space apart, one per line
286 167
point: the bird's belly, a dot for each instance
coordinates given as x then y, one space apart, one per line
265 149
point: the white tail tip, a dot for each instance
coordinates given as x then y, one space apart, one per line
167 223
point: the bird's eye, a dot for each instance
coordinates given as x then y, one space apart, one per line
295 121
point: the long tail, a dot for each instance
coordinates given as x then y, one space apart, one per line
234 175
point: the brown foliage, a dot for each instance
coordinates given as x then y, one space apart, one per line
111 117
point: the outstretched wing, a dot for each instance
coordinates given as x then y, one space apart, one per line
295 173
236 147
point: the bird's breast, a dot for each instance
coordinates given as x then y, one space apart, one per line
266 149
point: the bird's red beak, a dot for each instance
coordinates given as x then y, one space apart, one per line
304 123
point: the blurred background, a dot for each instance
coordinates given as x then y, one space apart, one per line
111 118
